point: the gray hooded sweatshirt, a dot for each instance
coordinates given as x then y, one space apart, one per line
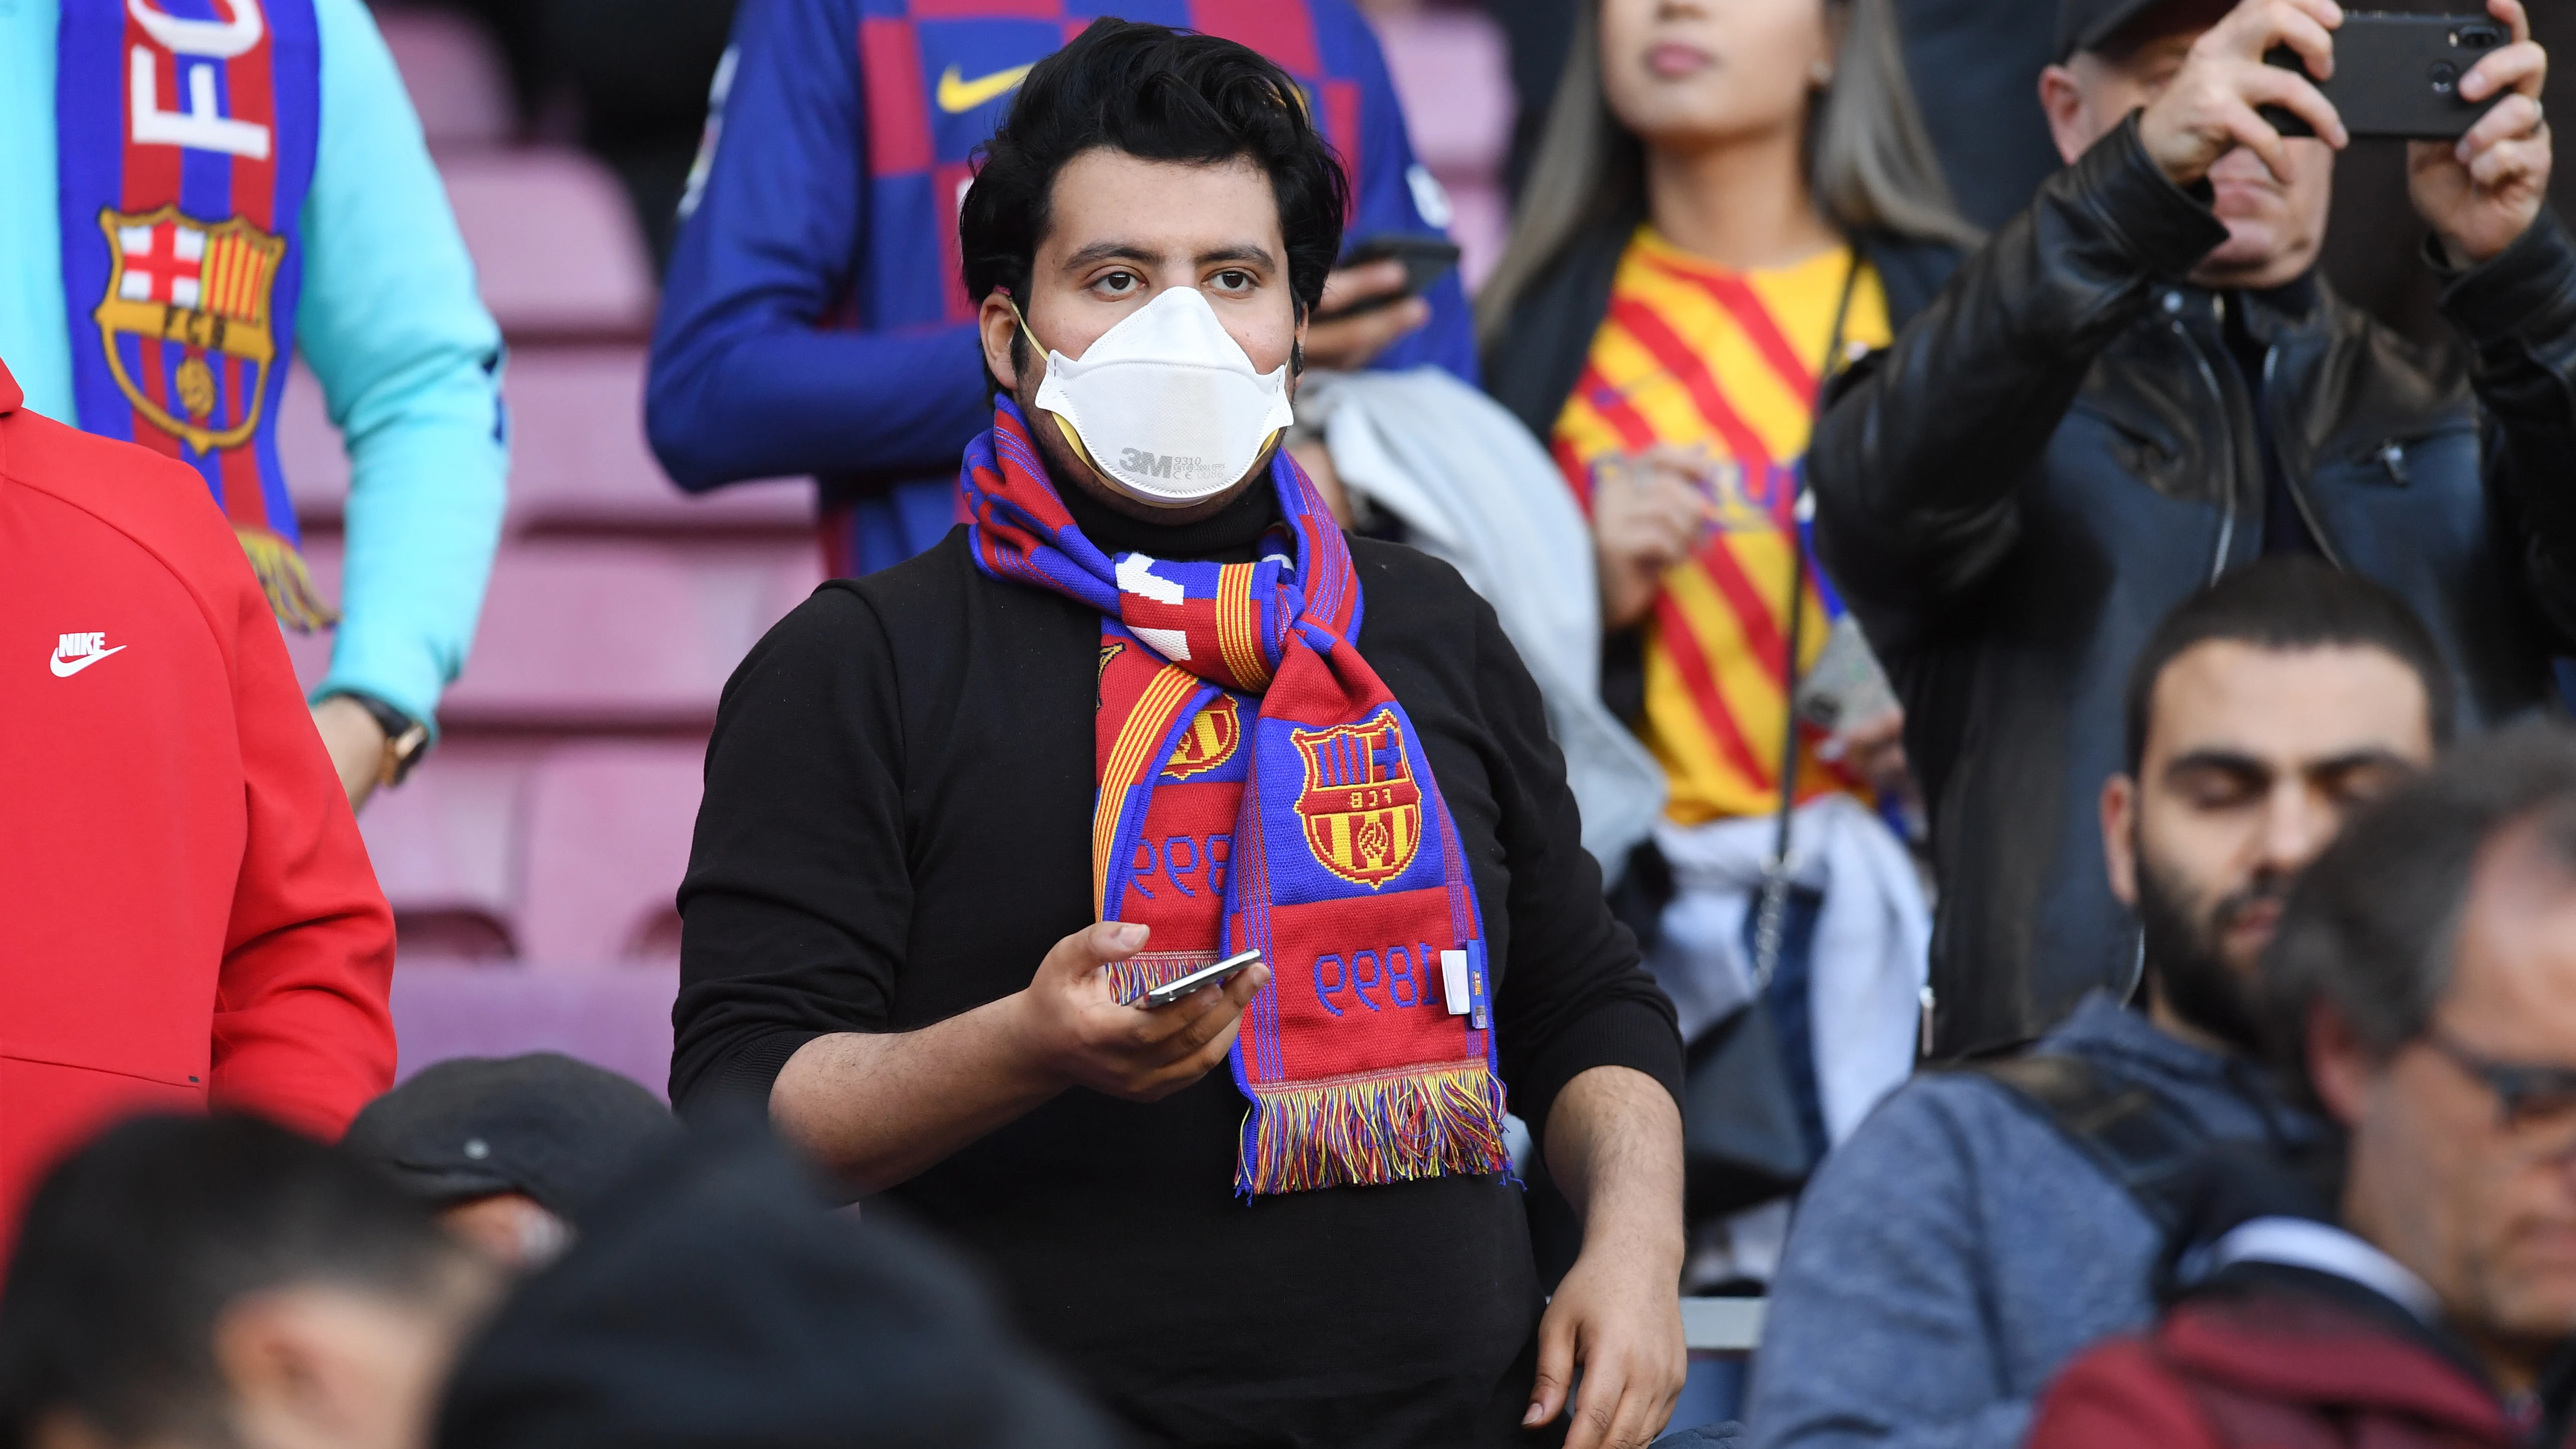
1957 1251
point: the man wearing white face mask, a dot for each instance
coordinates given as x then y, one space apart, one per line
1165 403
1151 713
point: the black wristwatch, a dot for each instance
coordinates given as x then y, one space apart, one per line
406 739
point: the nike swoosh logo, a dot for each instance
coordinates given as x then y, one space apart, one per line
66 668
958 94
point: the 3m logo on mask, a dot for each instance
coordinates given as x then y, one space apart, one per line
1166 403
1137 463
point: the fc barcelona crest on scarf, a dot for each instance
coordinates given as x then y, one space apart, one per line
186 322
1362 809
1209 741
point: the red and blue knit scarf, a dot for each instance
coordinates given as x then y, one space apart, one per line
186 132
1260 788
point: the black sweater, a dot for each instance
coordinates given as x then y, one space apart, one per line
897 828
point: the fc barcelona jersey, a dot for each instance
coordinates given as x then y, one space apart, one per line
1693 355
939 76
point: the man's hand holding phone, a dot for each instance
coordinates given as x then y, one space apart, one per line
1069 1023
2214 103
1348 343
2483 192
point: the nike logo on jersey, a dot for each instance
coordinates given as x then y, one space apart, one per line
958 94
76 652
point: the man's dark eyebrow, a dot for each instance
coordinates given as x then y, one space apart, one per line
1138 252
1245 252
2371 757
2229 762
1112 251
2225 762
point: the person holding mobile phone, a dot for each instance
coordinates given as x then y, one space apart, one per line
1149 712
2133 419
2141 384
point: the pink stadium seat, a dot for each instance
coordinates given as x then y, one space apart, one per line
578 459
555 243
446 847
1452 73
454 75
618 1017
608 829
1480 222
586 635
602 634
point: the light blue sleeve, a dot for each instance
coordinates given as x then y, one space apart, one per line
410 365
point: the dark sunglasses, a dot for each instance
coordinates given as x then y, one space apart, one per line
2525 1095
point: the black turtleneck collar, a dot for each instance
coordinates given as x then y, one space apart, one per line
1230 535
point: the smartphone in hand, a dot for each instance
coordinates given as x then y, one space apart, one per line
1215 975
1426 260
2398 75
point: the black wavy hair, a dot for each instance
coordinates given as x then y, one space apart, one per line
1163 95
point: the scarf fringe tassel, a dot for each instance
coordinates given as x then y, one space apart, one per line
1445 1122
292 594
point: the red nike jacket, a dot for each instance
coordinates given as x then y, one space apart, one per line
187 914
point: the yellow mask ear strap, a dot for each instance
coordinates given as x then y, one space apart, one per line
1024 323
1066 428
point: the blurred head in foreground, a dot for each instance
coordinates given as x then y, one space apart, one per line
221 1282
2423 991
511 1151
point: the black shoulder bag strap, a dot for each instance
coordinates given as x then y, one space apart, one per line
1771 902
2128 1129
1743 1140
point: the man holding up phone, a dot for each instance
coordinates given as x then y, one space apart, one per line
2141 384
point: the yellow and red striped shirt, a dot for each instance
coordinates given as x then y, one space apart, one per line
1692 354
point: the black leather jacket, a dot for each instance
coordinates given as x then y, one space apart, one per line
2062 448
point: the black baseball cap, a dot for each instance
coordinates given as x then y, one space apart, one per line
715 1304
559 1130
2085 24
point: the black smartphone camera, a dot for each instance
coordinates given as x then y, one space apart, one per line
2398 75
1426 260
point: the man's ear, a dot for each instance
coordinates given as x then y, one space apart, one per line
997 324
287 1380
2061 95
2120 836
2339 1069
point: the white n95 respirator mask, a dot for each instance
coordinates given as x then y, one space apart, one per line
1166 404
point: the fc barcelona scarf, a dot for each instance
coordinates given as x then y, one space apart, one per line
186 132
1261 789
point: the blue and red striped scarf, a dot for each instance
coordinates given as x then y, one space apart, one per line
185 135
1261 788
